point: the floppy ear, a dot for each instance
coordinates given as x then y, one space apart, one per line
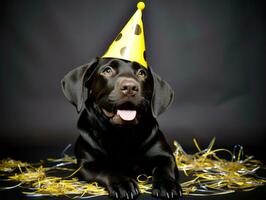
73 83
162 96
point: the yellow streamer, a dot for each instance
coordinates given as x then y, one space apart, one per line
209 174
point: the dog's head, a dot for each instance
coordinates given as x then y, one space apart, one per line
123 91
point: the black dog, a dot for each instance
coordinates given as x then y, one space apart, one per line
118 102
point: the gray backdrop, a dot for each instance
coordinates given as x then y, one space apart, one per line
211 52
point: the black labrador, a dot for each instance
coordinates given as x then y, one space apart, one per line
118 102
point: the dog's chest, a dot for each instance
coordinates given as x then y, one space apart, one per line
123 142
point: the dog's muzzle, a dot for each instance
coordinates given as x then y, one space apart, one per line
126 93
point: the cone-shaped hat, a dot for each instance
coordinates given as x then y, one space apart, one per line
129 43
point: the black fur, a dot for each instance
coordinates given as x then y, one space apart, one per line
114 152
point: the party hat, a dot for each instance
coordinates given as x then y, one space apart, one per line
129 43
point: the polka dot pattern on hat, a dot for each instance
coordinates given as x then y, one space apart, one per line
129 43
144 55
123 51
137 30
118 37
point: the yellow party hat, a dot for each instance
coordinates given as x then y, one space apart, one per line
129 43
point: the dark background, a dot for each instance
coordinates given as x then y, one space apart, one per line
211 52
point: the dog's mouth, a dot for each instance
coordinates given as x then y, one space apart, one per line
122 116
125 113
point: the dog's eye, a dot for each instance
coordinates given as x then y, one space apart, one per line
108 71
141 74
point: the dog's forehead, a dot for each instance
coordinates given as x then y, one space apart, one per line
121 65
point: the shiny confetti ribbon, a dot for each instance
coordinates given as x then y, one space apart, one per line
208 174
9 165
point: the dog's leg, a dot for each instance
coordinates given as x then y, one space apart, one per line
164 170
119 186
165 174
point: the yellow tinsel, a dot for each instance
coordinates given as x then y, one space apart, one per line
9 165
208 173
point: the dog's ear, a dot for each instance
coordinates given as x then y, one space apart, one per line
162 96
73 83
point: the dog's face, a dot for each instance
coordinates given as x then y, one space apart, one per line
121 90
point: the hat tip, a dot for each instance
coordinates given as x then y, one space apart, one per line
140 5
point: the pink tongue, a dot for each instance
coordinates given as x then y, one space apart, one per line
127 115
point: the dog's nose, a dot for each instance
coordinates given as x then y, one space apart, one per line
129 87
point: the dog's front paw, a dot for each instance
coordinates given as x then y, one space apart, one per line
123 188
167 189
